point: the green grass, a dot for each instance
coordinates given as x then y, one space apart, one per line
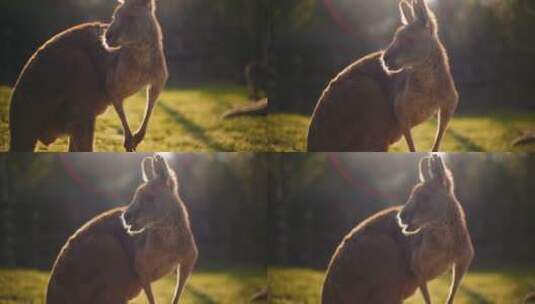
492 132
189 119
234 286
185 119
291 285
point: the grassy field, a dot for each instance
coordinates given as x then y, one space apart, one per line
189 119
292 286
491 132
186 119
205 287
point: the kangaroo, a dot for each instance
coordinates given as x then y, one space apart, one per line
393 253
121 252
77 74
378 99
258 76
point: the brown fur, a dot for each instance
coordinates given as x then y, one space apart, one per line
375 101
117 254
77 74
393 253
96 264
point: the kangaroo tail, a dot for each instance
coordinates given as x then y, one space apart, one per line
525 139
262 295
258 108
529 298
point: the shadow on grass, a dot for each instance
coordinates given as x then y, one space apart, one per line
194 129
465 142
201 296
475 297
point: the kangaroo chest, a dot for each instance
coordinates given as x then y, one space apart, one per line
131 74
158 256
418 99
434 255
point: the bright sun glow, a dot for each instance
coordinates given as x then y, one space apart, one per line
167 155
442 155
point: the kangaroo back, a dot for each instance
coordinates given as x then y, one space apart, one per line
95 264
371 265
355 112
46 97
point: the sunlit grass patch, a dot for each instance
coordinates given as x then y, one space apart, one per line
185 119
235 286
189 119
294 285
493 132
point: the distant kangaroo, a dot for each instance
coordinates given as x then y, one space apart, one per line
77 74
393 253
117 254
378 99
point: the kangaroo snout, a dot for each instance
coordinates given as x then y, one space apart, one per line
111 38
390 60
404 219
129 222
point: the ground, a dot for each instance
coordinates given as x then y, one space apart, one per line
189 119
185 119
492 132
293 285
234 286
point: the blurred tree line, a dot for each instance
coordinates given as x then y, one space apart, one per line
248 209
316 199
45 198
490 43
303 43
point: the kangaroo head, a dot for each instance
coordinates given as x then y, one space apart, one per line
415 40
156 199
431 200
133 23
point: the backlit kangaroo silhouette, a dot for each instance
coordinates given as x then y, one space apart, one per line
121 252
77 74
393 253
378 99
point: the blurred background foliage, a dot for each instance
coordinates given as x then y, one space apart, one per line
250 209
489 43
316 199
304 43
44 198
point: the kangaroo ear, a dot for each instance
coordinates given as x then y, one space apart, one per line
163 172
406 12
441 172
147 169
421 12
425 171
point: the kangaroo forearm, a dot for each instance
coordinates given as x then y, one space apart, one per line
425 293
183 272
444 116
119 109
459 270
148 292
152 97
